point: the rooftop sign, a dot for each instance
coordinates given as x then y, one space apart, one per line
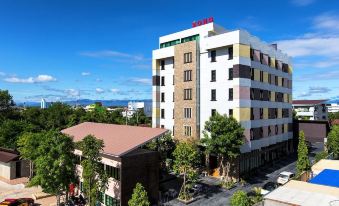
202 22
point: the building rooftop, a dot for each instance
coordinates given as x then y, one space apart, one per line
118 139
321 101
325 164
304 193
8 155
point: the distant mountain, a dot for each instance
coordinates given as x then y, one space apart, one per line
84 102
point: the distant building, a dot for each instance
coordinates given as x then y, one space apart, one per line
333 107
43 104
132 108
310 109
122 159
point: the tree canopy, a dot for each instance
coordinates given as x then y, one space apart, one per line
303 162
223 136
139 196
333 141
240 198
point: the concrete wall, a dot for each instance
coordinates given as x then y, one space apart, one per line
5 170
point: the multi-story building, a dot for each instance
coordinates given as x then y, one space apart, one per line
123 160
208 69
310 109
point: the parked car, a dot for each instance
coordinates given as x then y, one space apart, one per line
284 177
18 202
268 187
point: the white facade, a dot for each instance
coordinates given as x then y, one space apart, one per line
132 107
311 111
333 107
43 104
218 39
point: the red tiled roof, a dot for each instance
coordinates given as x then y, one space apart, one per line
309 101
118 139
335 122
7 156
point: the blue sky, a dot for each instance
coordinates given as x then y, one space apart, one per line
68 49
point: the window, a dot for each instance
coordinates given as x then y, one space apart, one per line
230 73
252 54
252 114
230 94
113 172
276 64
276 80
188 131
162 126
173 62
252 73
187 113
282 128
230 112
213 76
173 79
213 55
162 113
252 94
162 64
213 112
276 129
101 197
269 96
269 78
187 94
269 61
77 160
173 130
261 57
187 75
162 97
162 81
261 113
261 95
269 131
188 57
261 76
213 95
110 201
173 96
230 53
173 114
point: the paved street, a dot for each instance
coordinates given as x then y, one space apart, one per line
215 196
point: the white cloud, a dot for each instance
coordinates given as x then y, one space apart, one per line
326 21
38 79
302 2
315 90
317 46
110 53
85 73
99 90
72 92
114 90
138 80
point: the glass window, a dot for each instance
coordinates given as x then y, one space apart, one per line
162 113
187 113
110 201
113 172
187 94
101 197
188 57
188 131
213 95
230 53
213 112
187 75
230 112
213 76
162 81
230 73
213 55
230 94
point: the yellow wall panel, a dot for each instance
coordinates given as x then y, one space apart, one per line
272 62
241 50
285 97
286 128
266 77
236 114
290 98
279 113
265 113
242 114
257 74
156 112
155 65
279 81
290 69
272 96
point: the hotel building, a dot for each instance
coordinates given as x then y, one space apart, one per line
208 69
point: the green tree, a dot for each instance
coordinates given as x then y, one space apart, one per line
6 103
186 158
333 141
93 174
240 198
139 196
165 145
333 115
27 146
224 137
303 162
56 116
321 155
53 163
10 130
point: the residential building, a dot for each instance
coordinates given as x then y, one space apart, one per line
208 69
310 109
132 108
122 159
11 166
332 107
43 104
